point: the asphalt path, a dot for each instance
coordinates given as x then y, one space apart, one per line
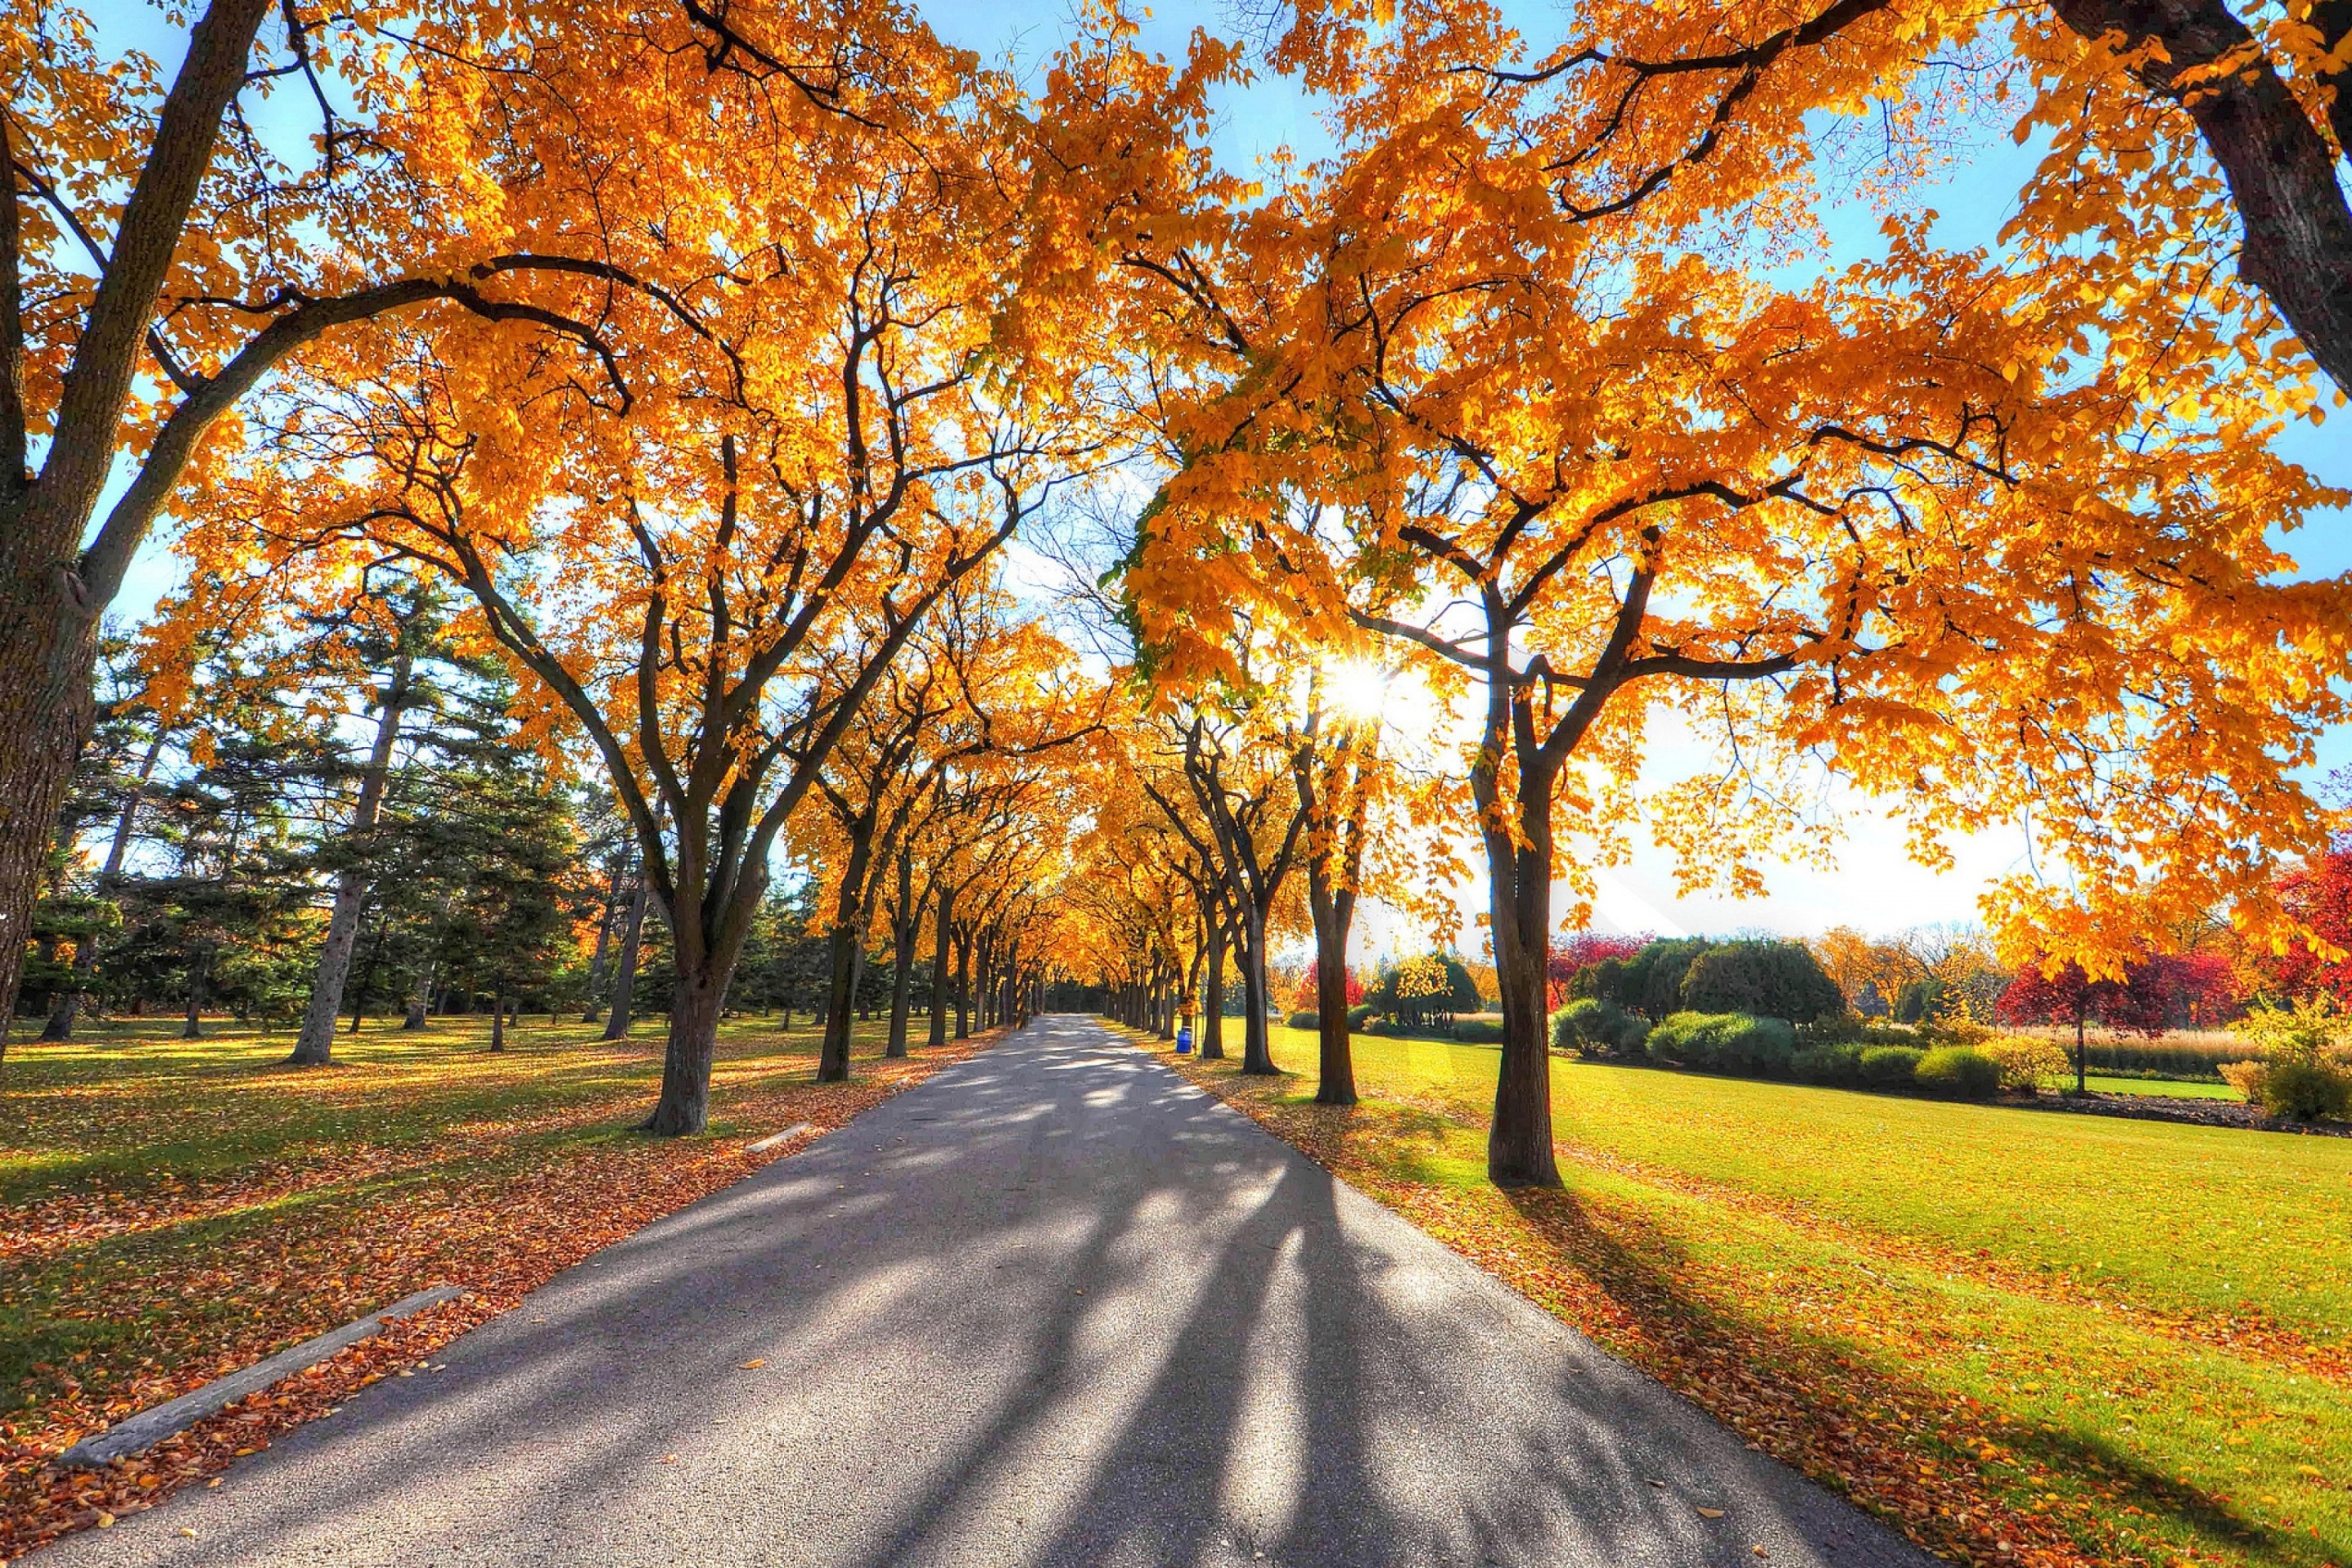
1052 1306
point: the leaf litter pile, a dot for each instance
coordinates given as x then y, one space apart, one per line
1817 1346
176 1213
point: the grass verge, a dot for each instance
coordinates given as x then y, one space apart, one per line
2022 1338
173 1210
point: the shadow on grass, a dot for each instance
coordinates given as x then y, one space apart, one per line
1813 1391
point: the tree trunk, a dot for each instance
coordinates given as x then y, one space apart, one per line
315 1046
943 922
48 645
1212 1000
904 922
1335 911
625 976
833 1056
1256 1055
193 1029
963 988
499 1022
2081 1060
685 1104
1519 1145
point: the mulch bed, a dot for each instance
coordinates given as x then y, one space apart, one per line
2167 1107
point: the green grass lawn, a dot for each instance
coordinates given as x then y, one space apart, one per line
2178 1087
2135 1333
171 1209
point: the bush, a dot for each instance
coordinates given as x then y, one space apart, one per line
2305 1091
1359 1015
1833 1062
1766 979
1726 1043
1304 1020
1890 1066
1921 999
1853 1029
2025 1060
1479 1031
1956 1071
1651 982
1593 1027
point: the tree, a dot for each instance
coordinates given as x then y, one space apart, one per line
154 272
1573 956
1769 979
1597 469
2140 1001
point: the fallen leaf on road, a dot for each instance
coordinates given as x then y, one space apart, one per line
106 1522
1710 1513
667 1459
754 1365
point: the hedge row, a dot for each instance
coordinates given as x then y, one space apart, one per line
1746 1046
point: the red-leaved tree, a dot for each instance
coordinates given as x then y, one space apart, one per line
1304 998
2141 1003
2321 897
1575 950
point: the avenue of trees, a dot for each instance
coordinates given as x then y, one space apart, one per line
607 449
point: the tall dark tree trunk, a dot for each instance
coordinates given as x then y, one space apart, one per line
693 1044
499 1022
1334 912
625 974
1519 1144
943 926
1257 1056
2082 1058
904 920
963 988
1213 999
194 1028
316 1044
833 1056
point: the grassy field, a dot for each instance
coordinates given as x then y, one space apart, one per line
171 1209
2177 1087
2025 1337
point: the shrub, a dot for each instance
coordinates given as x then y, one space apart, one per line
1479 1031
1958 1071
1890 1066
1308 1019
1832 1062
1359 1015
1378 1026
1766 979
2246 1077
2024 1060
1724 1042
1651 982
1853 1029
1594 1027
2305 1091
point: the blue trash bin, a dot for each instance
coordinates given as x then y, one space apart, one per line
1184 1041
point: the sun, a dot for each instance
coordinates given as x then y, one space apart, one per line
1359 689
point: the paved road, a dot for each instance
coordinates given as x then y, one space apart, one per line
1053 1306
